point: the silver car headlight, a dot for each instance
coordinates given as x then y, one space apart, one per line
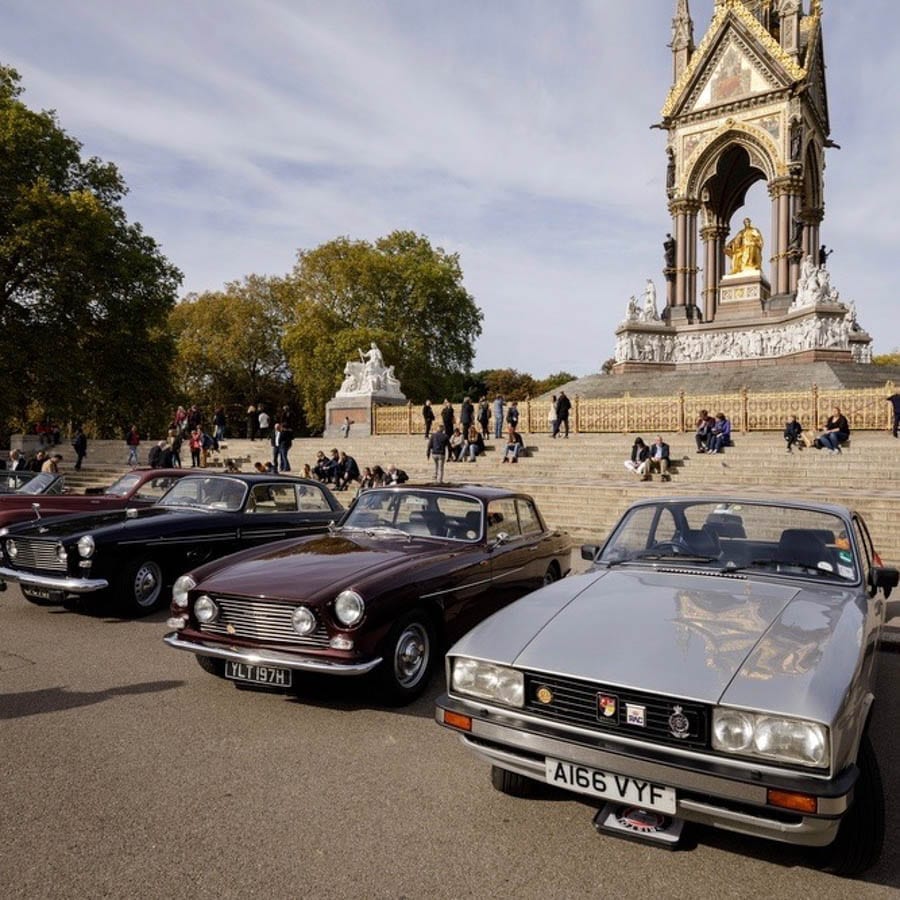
206 610
303 620
349 608
487 681
61 553
12 549
774 738
86 546
180 590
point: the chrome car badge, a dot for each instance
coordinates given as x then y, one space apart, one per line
607 705
636 715
679 726
230 628
544 695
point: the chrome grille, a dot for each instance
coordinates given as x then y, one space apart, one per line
37 554
576 702
262 620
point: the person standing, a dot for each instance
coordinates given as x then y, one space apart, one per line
263 423
281 444
894 400
196 445
219 422
553 417
79 445
498 416
132 441
563 406
427 418
437 451
484 417
512 415
252 422
466 416
447 418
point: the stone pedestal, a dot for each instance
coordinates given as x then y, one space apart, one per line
358 408
743 295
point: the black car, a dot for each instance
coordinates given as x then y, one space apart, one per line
133 555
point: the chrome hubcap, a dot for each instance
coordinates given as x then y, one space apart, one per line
147 584
411 655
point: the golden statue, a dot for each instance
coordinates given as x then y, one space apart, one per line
745 249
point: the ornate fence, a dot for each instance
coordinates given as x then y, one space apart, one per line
865 408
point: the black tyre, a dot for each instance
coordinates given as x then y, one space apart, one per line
140 587
858 844
552 573
511 783
211 665
409 656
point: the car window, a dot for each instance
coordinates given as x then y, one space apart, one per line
528 518
272 498
124 485
154 488
312 498
425 513
502 517
865 548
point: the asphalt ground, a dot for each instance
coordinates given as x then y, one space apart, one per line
127 772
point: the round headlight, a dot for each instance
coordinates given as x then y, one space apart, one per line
85 546
732 730
180 590
61 553
349 608
206 610
303 620
11 549
802 742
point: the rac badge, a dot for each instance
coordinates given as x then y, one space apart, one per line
607 705
679 726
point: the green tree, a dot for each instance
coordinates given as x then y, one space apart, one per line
511 383
400 292
229 344
887 359
84 295
551 382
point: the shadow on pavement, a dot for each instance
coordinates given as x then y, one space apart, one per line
48 700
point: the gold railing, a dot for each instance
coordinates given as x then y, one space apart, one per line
866 409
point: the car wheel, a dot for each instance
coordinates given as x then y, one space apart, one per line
408 658
141 586
857 846
511 783
552 573
211 665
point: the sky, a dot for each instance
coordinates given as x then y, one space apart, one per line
515 133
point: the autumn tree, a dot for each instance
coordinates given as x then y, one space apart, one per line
84 295
400 292
230 344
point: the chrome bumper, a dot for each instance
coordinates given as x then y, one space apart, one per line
54 582
270 657
511 747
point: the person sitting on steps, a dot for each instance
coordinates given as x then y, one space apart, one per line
659 459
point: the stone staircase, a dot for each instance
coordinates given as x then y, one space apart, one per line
581 484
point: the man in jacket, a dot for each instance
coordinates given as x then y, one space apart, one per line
563 405
428 418
281 443
498 416
437 450
659 460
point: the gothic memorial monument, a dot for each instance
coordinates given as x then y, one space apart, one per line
747 104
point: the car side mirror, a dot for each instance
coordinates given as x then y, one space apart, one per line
589 552
884 578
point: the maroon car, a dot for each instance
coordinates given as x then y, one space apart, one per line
409 568
139 487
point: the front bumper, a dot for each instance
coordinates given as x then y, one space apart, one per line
64 583
708 791
270 657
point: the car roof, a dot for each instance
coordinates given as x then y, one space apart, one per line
482 491
254 477
731 500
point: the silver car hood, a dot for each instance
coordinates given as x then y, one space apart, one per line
758 643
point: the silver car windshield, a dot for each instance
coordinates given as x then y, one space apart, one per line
418 513
732 537
124 486
210 492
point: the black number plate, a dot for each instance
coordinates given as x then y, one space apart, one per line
269 675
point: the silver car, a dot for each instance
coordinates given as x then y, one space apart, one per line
715 665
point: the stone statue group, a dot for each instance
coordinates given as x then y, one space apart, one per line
369 375
645 312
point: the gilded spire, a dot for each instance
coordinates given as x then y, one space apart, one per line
682 28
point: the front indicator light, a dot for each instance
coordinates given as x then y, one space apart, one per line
177 622
788 800
340 643
456 720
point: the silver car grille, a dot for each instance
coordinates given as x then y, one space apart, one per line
262 620
37 554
